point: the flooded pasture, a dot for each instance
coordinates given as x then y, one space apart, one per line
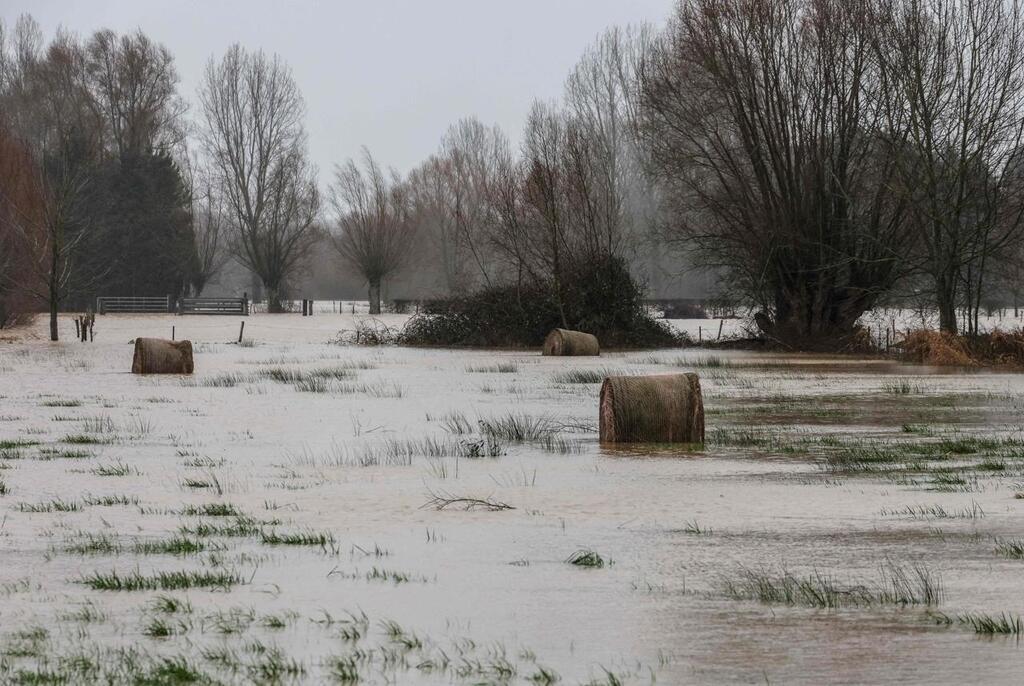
299 511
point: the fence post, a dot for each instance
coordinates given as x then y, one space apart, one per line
241 330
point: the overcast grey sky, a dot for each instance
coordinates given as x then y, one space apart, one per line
389 74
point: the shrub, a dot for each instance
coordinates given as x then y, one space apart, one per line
599 297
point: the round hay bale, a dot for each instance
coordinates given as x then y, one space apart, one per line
664 408
565 342
160 356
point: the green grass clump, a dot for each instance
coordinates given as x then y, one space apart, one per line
584 376
116 469
110 500
94 544
239 527
161 581
516 428
990 625
1011 549
895 586
274 537
500 368
14 444
62 403
55 505
212 510
85 439
176 545
587 558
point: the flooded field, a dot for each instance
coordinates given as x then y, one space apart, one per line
299 511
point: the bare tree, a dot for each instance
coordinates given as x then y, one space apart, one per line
49 109
774 156
255 140
374 223
135 85
431 193
612 192
209 229
956 82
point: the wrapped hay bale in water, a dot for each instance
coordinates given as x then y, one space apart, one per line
565 342
663 408
159 356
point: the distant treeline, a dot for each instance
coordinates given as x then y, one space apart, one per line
822 157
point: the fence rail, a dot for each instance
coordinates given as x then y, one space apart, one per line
213 306
133 304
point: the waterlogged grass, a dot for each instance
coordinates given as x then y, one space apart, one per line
161 581
585 376
115 469
212 510
1012 549
518 427
992 625
587 558
55 505
235 527
895 585
975 511
499 368
307 537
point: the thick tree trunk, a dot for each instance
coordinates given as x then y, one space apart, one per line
273 299
375 297
945 298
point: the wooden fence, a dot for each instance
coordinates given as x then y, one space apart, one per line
214 306
134 305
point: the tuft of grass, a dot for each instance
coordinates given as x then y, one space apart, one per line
1011 549
176 545
587 558
309 537
585 376
240 527
902 387
116 469
161 581
94 544
55 505
936 512
62 402
500 368
14 444
894 586
694 528
212 510
990 625
171 605
517 427
109 500
86 439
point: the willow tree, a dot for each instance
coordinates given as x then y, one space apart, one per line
762 127
256 143
374 223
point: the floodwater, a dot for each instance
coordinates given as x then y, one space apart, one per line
482 595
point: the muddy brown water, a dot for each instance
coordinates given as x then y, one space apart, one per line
499 579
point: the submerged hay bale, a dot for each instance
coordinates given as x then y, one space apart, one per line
936 348
565 342
664 408
159 356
